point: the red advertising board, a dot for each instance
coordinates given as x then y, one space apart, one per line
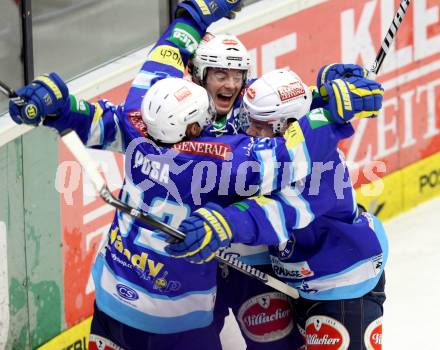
407 130
351 32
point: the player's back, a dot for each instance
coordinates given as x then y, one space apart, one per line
340 253
136 281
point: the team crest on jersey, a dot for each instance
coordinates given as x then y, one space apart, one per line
135 119
211 149
324 332
373 335
266 317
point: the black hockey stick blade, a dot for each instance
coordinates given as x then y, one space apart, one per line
74 144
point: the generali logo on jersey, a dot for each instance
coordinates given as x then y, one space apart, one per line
211 149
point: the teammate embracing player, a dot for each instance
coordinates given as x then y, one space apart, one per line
322 243
221 64
144 298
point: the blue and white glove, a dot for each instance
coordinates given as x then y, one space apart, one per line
206 12
45 96
338 71
206 231
353 98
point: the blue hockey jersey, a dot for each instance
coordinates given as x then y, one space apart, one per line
320 243
136 282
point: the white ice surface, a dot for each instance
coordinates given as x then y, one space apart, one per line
412 311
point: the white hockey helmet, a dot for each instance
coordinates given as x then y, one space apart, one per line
276 97
171 105
220 51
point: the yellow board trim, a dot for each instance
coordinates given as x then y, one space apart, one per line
403 189
78 334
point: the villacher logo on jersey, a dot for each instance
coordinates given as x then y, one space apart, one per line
266 317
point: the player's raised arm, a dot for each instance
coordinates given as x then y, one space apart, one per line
171 53
47 102
347 93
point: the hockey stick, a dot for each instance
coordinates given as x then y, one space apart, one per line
387 41
74 144
7 91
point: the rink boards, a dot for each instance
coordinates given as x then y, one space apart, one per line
49 253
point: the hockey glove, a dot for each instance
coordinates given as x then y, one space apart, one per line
353 98
337 71
45 96
206 230
205 12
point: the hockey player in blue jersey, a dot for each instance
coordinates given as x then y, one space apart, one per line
133 262
221 64
322 244
143 296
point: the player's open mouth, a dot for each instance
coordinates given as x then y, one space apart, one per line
225 98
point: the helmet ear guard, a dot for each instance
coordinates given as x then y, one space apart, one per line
277 97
